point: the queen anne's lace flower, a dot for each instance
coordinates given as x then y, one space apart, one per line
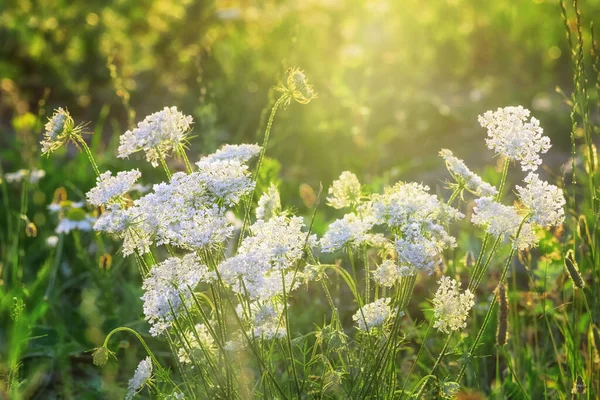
109 187
512 135
345 191
269 204
166 285
231 152
373 315
462 174
163 132
197 346
274 248
497 218
226 180
418 219
142 375
546 202
351 230
387 274
33 176
267 322
56 130
451 307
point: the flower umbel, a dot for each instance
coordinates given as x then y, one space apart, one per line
59 129
451 307
140 378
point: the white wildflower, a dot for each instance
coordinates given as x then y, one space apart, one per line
546 202
163 132
166 285
451 307
527 237
226 180
373 315
387 274
269 204
197 346
351 230
75 218
33 176
512 135
497 218
345 191
267 322
462 174
230 152
109 187
52 241
275 247
140 378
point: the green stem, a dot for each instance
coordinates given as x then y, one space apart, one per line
288 335
163 163
89 154
186 160
503 180
437 362
263 150
412 367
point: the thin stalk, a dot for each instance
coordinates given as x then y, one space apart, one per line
288 335
503 180
421 348
163 163
89 154
437 362
263 150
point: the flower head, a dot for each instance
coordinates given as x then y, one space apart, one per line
345 191
387 274
269 204
59 129
158 135
373 315
142 375
32 176
463 175
298 87
352 230
451 307
545 202
167 285
112 187
512 135
241 152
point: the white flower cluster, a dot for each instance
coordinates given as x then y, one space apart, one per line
418 219
462 174
110 187
188 212
158 134
141 376
235 152
512 135
389 273
32 176
274 248
269 204
545 202
451 308
197 345
267 322
374 314
497 218
345 191
166 285
351 230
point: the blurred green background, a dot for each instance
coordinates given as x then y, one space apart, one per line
397 80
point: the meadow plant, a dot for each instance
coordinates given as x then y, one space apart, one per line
223 298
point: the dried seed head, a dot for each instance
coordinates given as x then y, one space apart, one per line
298 87
583 230
573 269
30 230
502 333
579 386
469 259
